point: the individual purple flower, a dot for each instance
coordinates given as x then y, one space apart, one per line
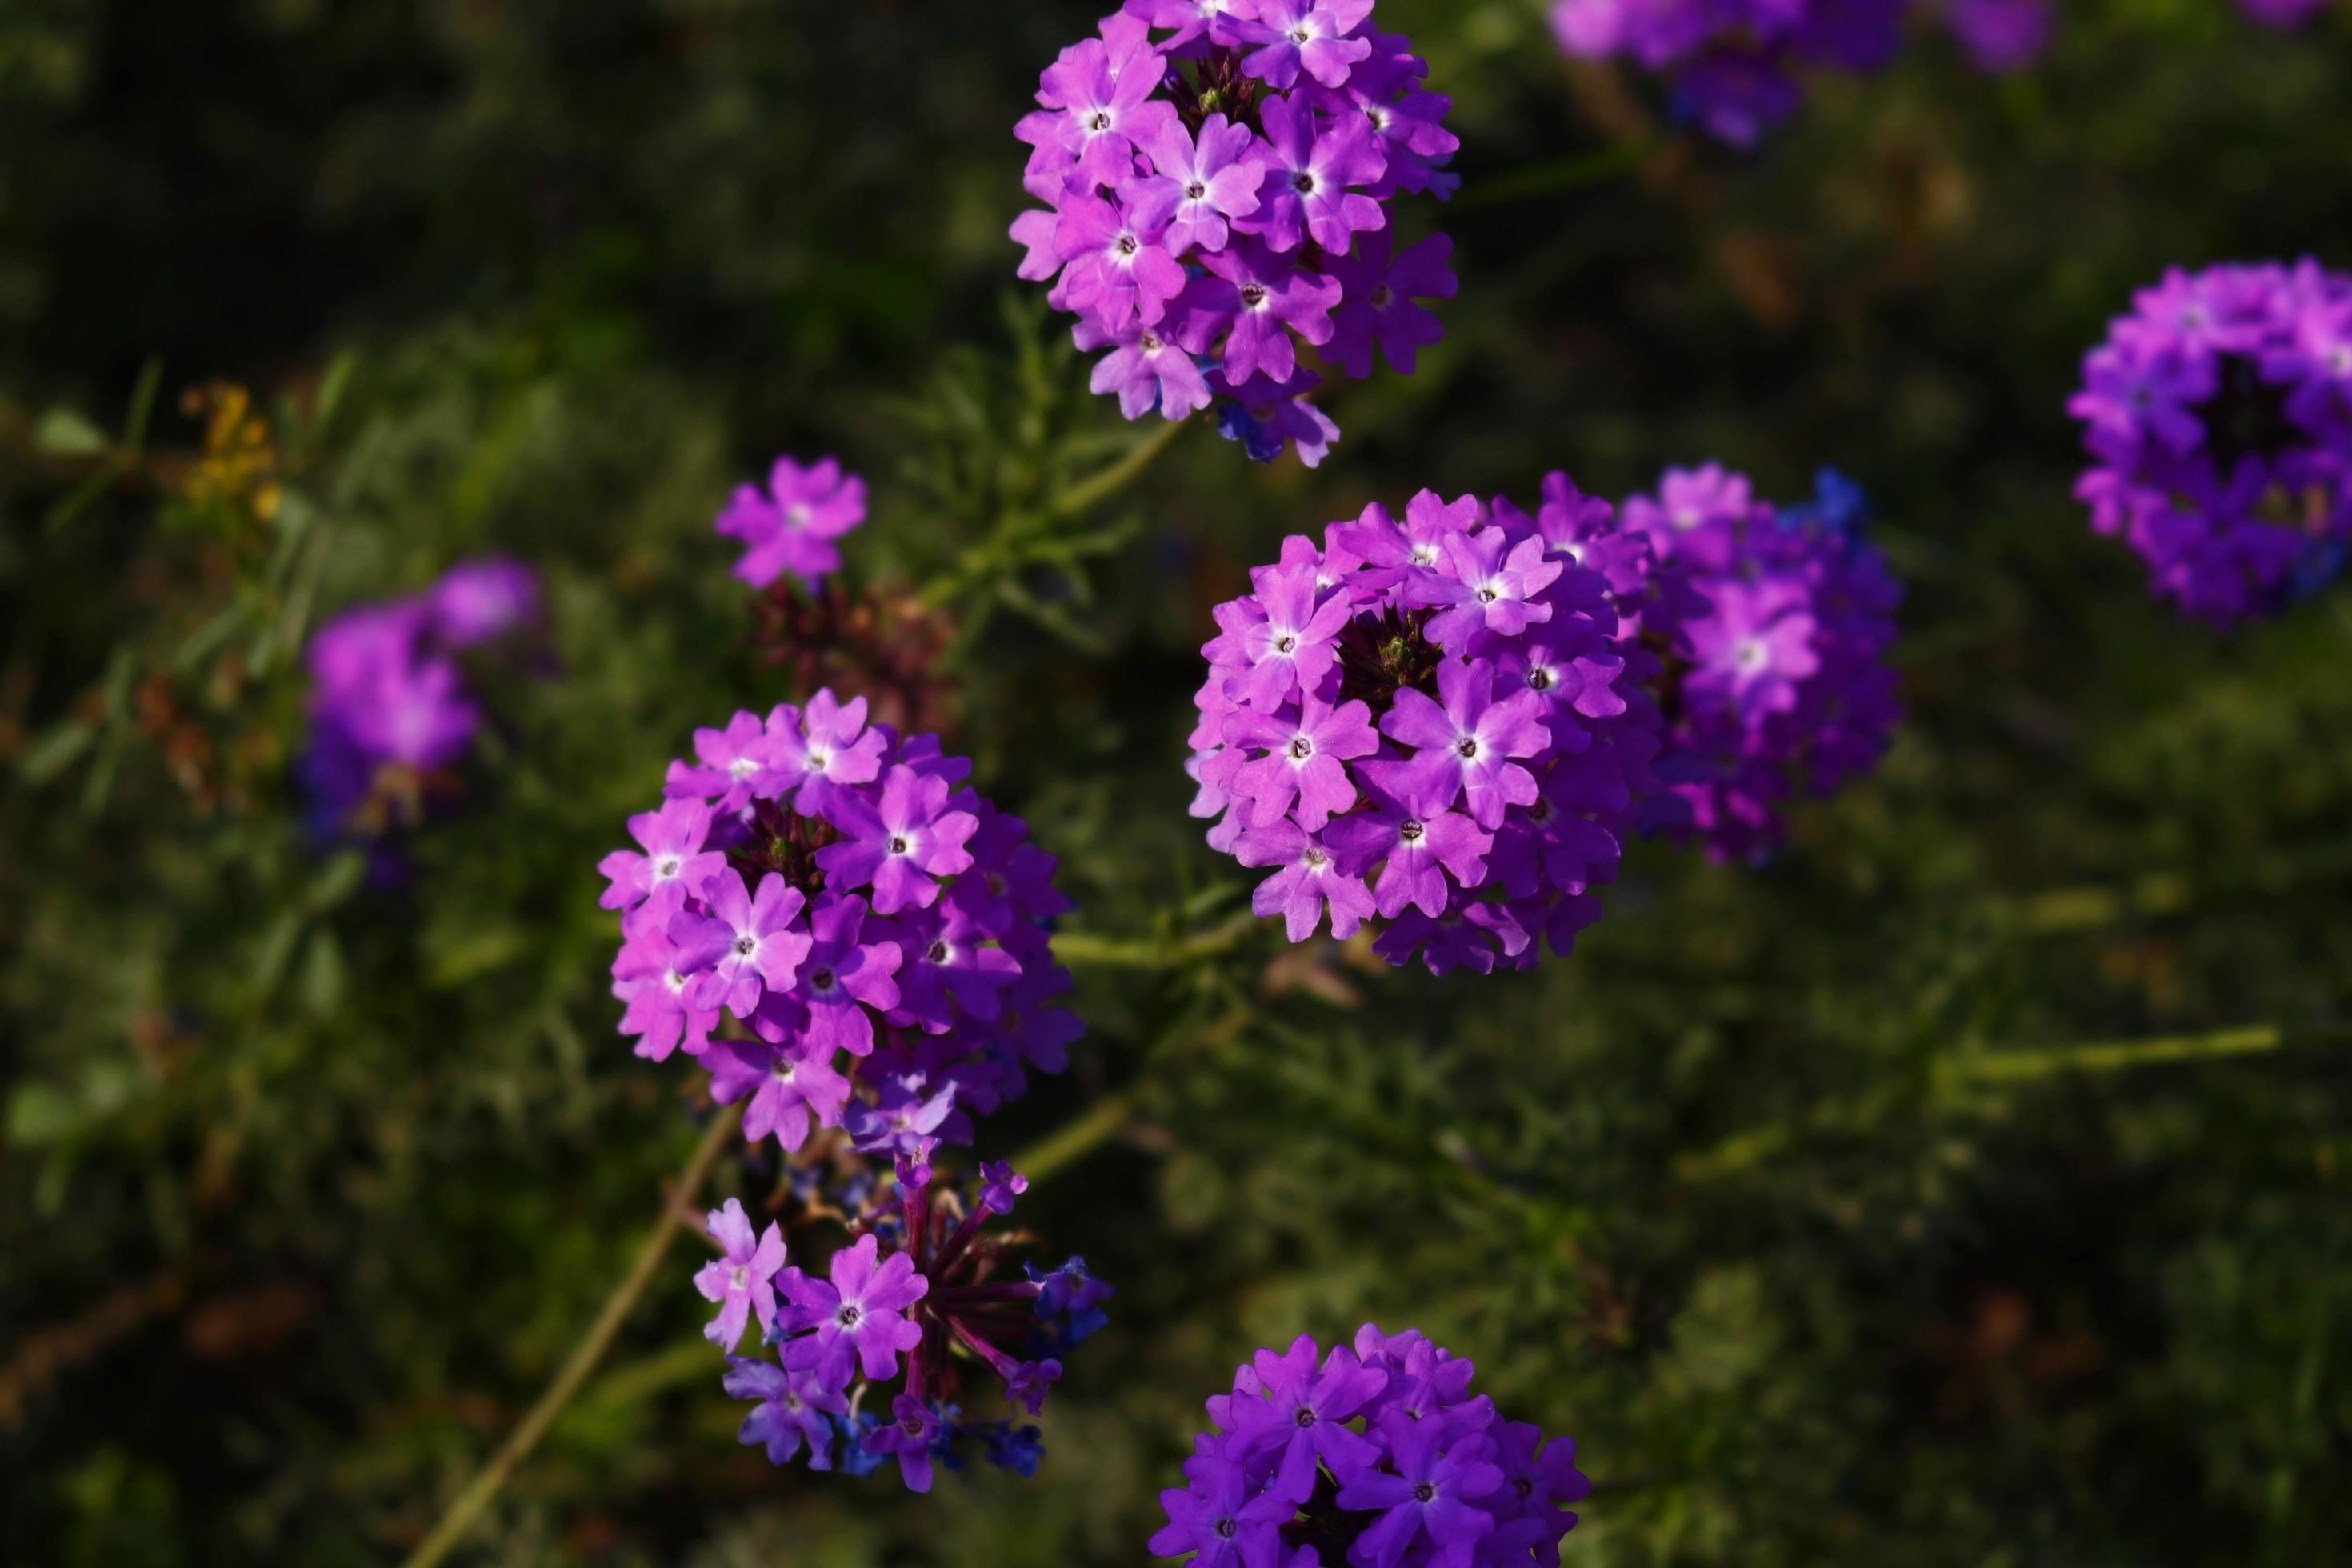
1309 879
1426 1496
791 525
1148 369
1301 771
742 1277
843 980
857 1315
913 1428
1468 741
1316 35
791 1410
651 974
902 844
1258 301
1198 185
1314 176
478 601
1216 1516
1377 288
1305 1414
1116 268
904 1122
1756 649
732 763
788 1087
2217 414
1500 755
674 860
1206 250
2001 36
1002 1184
747 943
807 753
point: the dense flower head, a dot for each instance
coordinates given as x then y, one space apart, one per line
1217 177
1771 627
864 1360
1373 1455
2217 414
840 931
792 523
391 713
1429 722
1735 64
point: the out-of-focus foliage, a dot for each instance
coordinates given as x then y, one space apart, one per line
1970 1186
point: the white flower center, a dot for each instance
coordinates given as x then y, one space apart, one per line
1301 748
1750 656
666 868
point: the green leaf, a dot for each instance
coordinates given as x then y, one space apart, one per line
40 1114
62 433
55 751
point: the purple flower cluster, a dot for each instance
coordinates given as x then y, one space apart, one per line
1735 64
1771 625
872 932
1373 1456
1217 207
1430 721
390 715
920 1299
2219 417
790 526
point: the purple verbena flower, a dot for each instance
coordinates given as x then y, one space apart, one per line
742 1277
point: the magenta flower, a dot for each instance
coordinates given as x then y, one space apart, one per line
650 974
674 860
1410 829
1103 109
747 943
1309 33
1258 301
1147 369
1308 172
732 763
1301 769
842 978
1197 186
900 844
1116 268
806 756
476 601
1291 643
1482 589
1216 1516
741 1278
791 525
1310 879
856 1314
1756 649
1471 741
789 1085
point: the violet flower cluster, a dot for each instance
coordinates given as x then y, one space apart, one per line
871 1352
1218 175
1430 722
1373 1456
2219 418
792 524
1735 64
391 713
1772 625
871 933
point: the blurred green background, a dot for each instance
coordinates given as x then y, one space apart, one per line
1966 1187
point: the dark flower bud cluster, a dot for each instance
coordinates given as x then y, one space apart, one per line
1217 176
1430 722
1373 1456
391 714
871 1357
872 932
2219 418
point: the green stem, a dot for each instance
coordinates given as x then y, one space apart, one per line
1108 482
1069 1145
493 1476
1082 950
